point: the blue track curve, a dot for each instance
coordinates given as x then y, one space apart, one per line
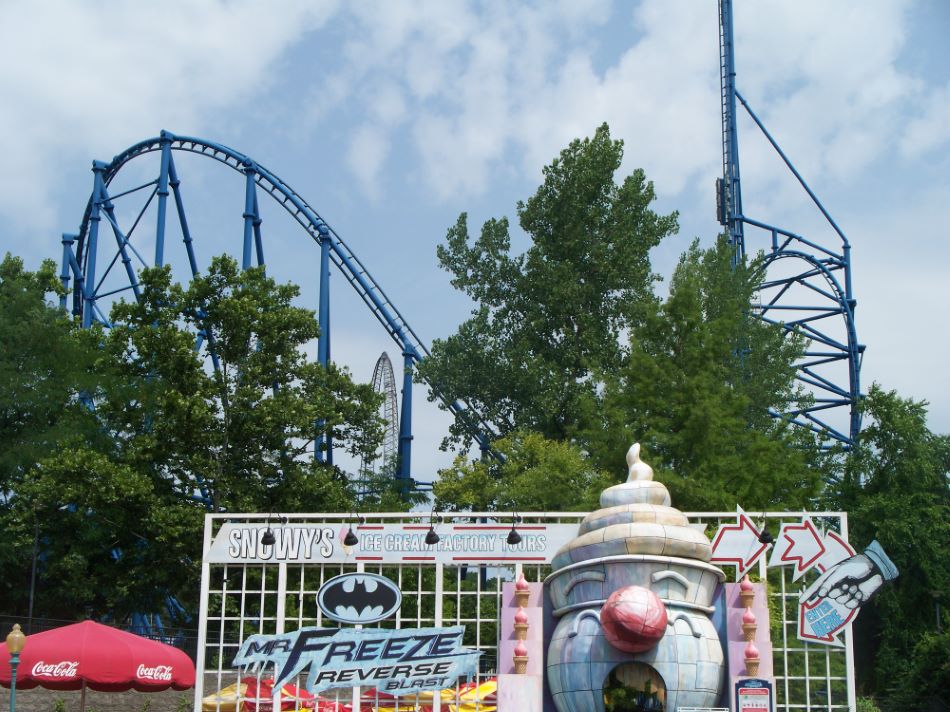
319 230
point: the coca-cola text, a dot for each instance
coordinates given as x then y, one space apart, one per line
64 668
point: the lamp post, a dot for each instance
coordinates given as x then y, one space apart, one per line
15 642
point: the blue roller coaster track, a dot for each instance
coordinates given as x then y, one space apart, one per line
806 286
84 252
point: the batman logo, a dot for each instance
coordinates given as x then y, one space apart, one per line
359 598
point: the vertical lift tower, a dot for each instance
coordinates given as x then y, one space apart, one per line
806 283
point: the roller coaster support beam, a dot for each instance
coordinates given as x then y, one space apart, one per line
801 301
162 202
94 218
323 448
250 215
730 195
405 420
82 256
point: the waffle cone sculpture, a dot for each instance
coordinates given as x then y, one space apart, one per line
634 589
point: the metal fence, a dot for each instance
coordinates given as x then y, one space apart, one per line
239 600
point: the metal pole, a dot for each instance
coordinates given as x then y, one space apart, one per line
162 201
323 342
405 419
249 216
89 298
64 274
36 541
730 136
14 661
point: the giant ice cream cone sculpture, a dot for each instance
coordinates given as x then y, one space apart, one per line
634 589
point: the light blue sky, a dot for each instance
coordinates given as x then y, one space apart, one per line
391 118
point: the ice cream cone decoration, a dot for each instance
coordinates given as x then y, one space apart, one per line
521 658
521 624
746 592
522 591
751 659
749 625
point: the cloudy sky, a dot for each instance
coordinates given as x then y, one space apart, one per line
391 118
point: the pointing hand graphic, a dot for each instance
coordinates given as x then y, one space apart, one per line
853 581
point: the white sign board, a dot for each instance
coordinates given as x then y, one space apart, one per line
459 544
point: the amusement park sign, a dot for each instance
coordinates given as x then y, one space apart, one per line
394 661
387 543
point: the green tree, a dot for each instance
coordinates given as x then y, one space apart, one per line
547 323
696 390
535 474
45 369
895 489
120 508
241 430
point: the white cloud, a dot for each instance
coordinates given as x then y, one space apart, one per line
930 128
367 151
85 79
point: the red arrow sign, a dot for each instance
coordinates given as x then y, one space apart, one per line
836 549
737 544
799 545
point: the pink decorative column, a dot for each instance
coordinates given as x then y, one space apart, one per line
520 647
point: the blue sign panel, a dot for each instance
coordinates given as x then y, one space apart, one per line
395 661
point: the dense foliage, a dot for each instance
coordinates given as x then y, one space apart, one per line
895 489
569 340
547 323
146 432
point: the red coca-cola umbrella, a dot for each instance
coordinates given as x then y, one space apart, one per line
104 659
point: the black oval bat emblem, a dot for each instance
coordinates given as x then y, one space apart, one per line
359 598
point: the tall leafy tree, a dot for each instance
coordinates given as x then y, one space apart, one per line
45 369
547 322
239 419
234 423
696 390
895 489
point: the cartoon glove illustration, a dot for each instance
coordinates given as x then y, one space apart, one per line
853 581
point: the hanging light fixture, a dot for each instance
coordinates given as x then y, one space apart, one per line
514 537
351 539
268 539
432 538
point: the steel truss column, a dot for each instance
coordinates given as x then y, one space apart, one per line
323 448
250 213
804 298
405 420
730 195
162 200
88 297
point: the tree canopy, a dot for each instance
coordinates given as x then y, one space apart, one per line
570 340
895 489
696 390
547 322
164 431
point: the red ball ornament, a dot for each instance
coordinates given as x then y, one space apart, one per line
633 619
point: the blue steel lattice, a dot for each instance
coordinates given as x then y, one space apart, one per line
806 286
82 263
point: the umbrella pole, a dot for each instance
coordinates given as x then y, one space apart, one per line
82 698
